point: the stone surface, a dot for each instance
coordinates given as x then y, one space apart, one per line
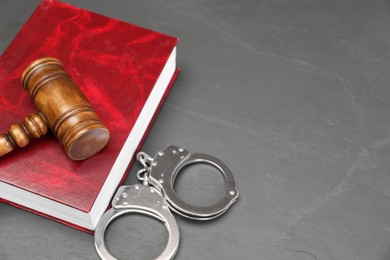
292 95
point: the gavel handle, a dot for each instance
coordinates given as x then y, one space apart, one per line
19 135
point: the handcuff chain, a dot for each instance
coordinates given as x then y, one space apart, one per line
157 200
143 174
144 159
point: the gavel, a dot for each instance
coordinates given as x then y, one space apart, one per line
62 107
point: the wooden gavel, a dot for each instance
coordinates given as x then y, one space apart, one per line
62 107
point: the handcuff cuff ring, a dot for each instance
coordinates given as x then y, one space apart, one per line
143 200
163 169
156 196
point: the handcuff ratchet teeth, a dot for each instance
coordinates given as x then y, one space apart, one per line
156 196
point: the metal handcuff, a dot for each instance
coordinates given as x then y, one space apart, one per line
156 196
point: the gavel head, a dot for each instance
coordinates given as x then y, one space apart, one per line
66 110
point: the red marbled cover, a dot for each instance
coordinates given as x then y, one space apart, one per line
115 64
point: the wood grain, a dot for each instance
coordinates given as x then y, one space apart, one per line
62 107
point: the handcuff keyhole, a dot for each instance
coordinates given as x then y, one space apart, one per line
136 235
199 184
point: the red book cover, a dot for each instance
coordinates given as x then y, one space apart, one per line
125 72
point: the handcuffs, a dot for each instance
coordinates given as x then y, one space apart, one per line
156 197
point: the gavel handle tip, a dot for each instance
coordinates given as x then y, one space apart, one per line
19 135
6 145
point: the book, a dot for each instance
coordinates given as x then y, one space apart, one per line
125 72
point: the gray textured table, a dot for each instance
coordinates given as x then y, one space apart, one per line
293 95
